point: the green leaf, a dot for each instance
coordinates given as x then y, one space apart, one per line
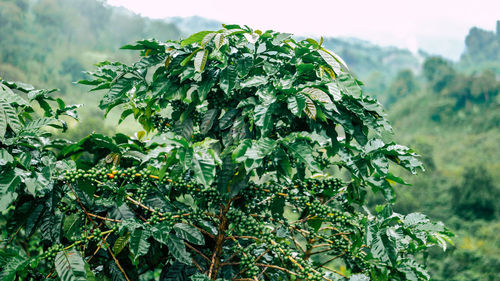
9 96
72 225
161 232
413 271
334 90
209 80
414 219
203 166
189 233
303 153
241 149
260 148
227 79
284 165
70 266
254 81
138 243
225 175
330 60
33 219
200 60
195 38
219 40
116 93
310 108
296 104
380 246
317 94
8 185
178 249
8 116
207 38
12 262
263 117
35 125
188 59
208 120
226 120
120 243
5 157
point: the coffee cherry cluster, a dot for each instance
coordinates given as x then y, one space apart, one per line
162 124
178 106
296 264
216 100
319 185
196 117
66 208
340 242
308 273
154 219
247 262
245 223
103 174
51 253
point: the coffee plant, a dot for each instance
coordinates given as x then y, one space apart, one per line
257 154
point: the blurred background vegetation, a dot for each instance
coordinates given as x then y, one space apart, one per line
448 111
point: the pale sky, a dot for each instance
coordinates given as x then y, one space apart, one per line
437 26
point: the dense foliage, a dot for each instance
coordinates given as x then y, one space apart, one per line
254 164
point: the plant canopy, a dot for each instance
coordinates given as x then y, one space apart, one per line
255 160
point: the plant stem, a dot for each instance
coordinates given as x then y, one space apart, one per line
221 235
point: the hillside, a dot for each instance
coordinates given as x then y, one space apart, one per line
453 120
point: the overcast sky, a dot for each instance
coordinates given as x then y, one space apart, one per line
437 26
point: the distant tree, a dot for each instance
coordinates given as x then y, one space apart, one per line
72 67
482 44
438 72
403 85
484 86
477 196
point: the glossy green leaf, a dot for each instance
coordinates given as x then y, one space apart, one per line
70 266
310 108
254 81
9 182
317 95
138 242
203 166
178 249
219 40
195 38
189 233
228 79
120 244
200 60
8 116
330 60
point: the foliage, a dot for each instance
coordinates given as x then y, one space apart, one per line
481 50
458 129
472 199
257 153
404 84
465 89
28 167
